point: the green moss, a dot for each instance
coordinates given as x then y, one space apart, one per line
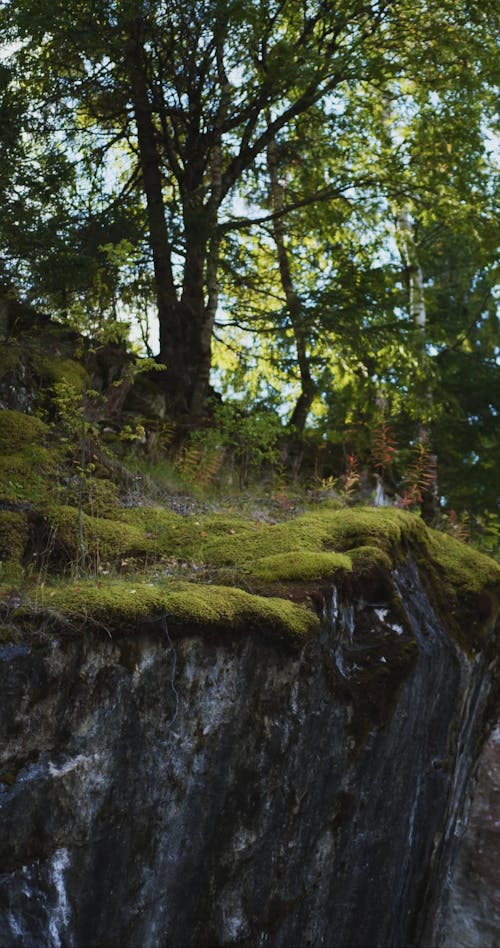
305 548
366 558
54 369
102 538
358 546
221 606
112 602
18 431
463 568
386 529
13 536
10 354
300 565
101 498
167 531
186 604
315 532
189 538
242 548
25 475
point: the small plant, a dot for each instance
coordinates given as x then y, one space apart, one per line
210 466
188 461
421 476
487 532
458 526
383 447
350 480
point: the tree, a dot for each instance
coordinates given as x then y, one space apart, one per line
193 94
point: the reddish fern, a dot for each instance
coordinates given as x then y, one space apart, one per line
383 447
420 477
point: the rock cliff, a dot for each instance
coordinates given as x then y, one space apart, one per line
472 912
172 782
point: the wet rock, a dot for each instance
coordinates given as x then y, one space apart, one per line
472 918
227 790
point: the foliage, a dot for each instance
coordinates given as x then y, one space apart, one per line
383 447
135 175
420 475
247 439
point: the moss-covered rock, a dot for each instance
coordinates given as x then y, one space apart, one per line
300 565
463 569
230 608
54 370
101 498
357 548
168 532
317 531
13 536
102 538
366 558
25 475
25 464
190 538
19 431
189 605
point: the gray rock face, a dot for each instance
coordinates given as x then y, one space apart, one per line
472 919
228 791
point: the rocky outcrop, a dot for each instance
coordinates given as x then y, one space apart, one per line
166 785
472 916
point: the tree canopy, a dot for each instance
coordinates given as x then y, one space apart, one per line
303 192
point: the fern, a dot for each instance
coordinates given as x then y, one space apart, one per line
188 461
383 447
420 477
350 480
210 466
458 526
167 434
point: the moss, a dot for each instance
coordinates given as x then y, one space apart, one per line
186 604
13 536
112 602
18 431
359 546
221 606
316 532
188 538
300 565
465 569
167 531
365 558
387 529
244 547
54 369
10 354
101 498
102 538
24 475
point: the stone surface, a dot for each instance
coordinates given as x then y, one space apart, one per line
472 919
227 791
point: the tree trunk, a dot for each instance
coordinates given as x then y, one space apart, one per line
308 388
153 183
185 323
416 301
